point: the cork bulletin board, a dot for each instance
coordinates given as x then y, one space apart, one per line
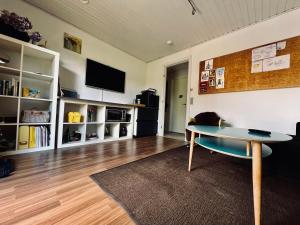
238 76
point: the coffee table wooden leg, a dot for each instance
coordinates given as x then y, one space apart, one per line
248 148
256 176
191 150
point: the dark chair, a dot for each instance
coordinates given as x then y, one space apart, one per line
204 118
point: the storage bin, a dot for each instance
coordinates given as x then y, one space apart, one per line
74 117
35 116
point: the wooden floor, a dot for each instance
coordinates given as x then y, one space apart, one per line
54 187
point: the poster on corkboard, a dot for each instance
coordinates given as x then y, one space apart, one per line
271 66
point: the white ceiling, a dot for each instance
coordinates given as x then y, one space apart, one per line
142 27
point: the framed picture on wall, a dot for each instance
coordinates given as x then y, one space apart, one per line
72 43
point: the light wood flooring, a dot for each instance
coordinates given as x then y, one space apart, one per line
54 187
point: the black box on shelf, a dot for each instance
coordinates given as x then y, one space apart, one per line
69 93
8 119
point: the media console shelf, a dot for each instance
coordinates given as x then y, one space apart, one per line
93 127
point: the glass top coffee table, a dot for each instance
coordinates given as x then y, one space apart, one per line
238 142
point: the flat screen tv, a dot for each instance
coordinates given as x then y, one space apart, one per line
105 77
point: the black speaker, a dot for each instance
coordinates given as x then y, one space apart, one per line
149 99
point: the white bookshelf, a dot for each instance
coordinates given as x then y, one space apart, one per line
98 125
33 67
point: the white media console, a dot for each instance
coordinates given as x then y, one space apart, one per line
105 130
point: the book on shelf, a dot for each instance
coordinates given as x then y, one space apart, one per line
9 87
33 137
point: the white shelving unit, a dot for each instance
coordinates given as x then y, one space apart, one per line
106 131
33 67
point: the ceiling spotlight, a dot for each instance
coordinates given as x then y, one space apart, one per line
85 1
169 42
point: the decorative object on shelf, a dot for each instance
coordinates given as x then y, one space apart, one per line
35 116
76 136
17 27
92 136
92 114
72 43
74 117
44 44
107 131
34 93
68 137
123 131
35 37
25 92
31 92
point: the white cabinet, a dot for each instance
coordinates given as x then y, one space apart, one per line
92 127
31 67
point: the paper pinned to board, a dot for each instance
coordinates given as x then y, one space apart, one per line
203 86
212 82
220 72
257 66
204 75
281 45
220 83
209 64
220 78
264 52
276 63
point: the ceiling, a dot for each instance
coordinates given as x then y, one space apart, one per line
142 27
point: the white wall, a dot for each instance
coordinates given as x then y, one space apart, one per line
276 110
72 69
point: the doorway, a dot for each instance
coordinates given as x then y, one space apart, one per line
176 99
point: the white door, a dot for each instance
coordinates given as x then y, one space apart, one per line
178 104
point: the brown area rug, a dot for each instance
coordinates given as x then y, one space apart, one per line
218 191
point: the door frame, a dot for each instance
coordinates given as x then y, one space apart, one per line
169 64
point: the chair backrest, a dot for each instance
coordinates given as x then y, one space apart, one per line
207 118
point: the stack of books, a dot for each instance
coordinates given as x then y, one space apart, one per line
9 87
33 137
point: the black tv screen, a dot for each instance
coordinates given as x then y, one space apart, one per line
105 77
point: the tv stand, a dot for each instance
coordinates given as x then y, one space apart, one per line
93 128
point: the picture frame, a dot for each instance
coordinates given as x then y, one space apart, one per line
72 43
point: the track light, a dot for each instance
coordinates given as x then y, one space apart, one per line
194 7
193 12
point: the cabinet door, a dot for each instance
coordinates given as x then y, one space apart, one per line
147 114
146 128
